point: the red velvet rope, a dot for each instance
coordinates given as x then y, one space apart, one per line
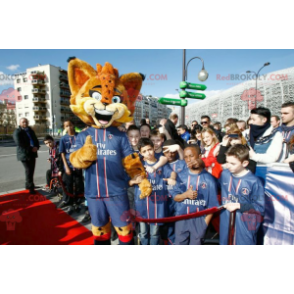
171 219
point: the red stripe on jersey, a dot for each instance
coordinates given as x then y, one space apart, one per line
188 210
174 167
188 184
198 179
230 185
104 133
105 178
155 207
147 199
97 173
238 186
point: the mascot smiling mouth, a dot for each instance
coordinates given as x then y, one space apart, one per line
103 116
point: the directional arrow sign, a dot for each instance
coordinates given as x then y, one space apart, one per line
185 94
186 85
172 101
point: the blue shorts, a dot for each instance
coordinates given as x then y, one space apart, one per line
190 231
117 208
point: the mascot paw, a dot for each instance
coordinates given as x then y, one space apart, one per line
146 188
88 151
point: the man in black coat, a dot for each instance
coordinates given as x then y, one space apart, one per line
27 147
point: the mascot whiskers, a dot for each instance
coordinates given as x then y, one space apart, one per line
104 100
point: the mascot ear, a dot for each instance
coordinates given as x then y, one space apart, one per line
79 72
132 83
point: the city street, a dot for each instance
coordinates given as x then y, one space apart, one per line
12 173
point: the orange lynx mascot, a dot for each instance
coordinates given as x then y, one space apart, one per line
104 100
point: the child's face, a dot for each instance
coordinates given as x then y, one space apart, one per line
145 132
147 152
207 138
234 165
134 137
49 144
198 136
157 141
171 156
191 155
68 126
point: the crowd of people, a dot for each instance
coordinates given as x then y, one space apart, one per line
191 168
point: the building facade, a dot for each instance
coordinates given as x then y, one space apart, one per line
273 89
44 97
148 107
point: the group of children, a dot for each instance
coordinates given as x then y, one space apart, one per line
183 183
184 180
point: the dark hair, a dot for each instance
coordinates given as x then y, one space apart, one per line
195 146
143 121
205 116
288 104
239 151
262 111
276 116
146 126
184 127
48 137
132 128
69 121
218 124
231 120
143 142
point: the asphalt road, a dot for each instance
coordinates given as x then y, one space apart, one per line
12 173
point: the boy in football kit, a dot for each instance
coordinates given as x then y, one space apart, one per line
67 144
241 191
199 192
154 206
177 165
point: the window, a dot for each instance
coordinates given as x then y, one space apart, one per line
18 81
25 96
27 114
25 80
20 114
18 89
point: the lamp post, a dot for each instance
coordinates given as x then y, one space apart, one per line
257 74
202 76
52 114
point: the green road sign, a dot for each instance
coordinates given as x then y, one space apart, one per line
185 94
186 85
172 101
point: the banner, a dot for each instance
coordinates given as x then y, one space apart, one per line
278 225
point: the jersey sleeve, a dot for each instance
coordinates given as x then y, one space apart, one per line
62 145
212 193
126 148
166 169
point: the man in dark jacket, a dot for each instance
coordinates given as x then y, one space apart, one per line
27 147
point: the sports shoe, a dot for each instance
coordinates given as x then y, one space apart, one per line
70 210
86 218
62 204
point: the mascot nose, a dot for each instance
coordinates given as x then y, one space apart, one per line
105 104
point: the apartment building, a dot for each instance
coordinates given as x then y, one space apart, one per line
43 97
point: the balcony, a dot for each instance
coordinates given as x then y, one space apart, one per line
40 108
40 117
38 74
64 93
39 100
65 109
64 85
63 77
38 82
64 102
38 91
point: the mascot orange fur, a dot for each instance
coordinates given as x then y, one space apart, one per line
104 100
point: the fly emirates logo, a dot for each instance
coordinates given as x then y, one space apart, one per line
102 151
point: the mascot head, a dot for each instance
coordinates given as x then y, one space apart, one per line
102 98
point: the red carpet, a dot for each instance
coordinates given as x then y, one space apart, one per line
33 220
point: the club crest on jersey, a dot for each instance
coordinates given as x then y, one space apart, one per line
110 136
203 185
245 191
159 172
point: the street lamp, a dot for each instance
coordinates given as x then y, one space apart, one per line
202 76
257 74
53 115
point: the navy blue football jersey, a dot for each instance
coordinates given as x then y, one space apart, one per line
67 145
